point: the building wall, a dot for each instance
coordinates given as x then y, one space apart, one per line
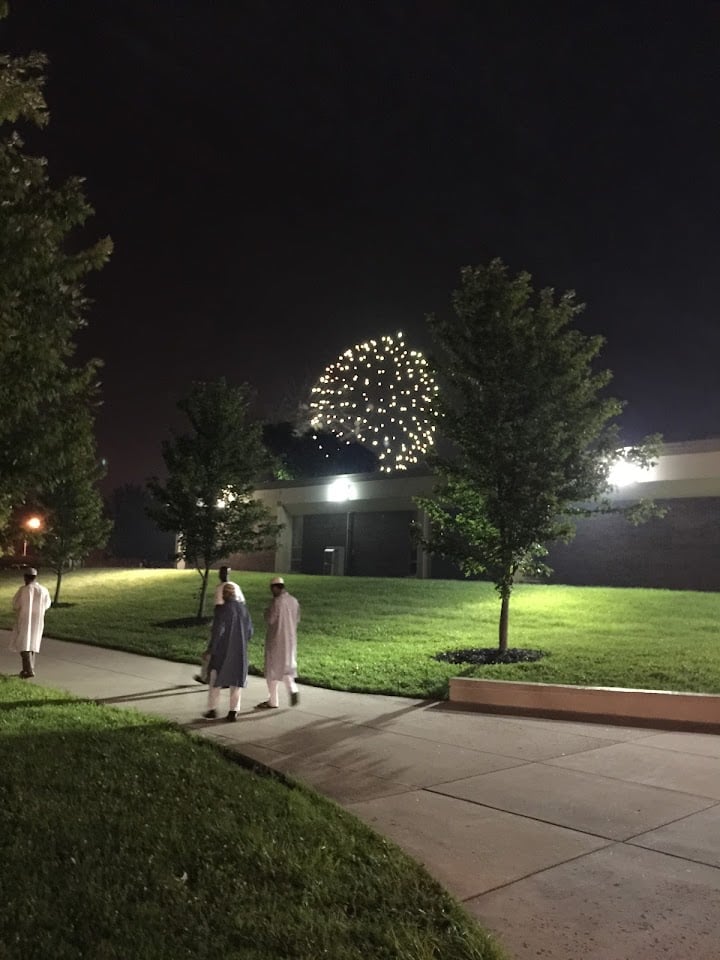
382 545
264 560
680 551
377 543
318 532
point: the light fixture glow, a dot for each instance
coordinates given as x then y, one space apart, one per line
340 490
623 473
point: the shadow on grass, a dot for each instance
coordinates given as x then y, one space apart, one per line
80 812
22 704
132 827
182 622
61 605
440 690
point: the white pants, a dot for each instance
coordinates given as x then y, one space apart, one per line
214 695
273 689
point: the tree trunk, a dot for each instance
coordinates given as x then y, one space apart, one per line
58 581
503 631
203 592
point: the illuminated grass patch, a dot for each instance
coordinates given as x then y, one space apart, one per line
382 635
123 837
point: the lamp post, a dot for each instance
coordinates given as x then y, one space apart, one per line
32 525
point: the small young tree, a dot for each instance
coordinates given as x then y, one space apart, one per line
531 427
42 301
71 504
207 498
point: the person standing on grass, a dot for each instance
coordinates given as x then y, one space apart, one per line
223 574
282 618
228 664
29 603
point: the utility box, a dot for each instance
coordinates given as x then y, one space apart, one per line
334 561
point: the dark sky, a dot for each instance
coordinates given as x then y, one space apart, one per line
282 178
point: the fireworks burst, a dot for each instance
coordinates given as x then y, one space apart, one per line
381 394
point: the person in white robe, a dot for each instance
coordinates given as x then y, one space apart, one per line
29 603
282 618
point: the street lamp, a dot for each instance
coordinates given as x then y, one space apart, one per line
32 525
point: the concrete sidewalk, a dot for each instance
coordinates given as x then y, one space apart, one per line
570 841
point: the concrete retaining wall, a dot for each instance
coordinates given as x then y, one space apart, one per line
653 708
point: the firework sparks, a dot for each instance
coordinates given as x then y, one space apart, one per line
382 394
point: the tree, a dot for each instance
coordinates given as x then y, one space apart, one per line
207 498
531 427
74 520
42 302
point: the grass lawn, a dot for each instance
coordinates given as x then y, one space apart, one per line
123 837
379 635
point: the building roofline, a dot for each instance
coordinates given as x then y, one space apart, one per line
706 445
671 449
355 477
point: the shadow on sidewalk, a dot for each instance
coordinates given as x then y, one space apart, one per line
152 694
341 742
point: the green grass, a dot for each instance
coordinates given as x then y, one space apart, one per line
379 635
123 837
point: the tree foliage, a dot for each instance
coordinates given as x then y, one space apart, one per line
207 498
531 426
42 300
70 502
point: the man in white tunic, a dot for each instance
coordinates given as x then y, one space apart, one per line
29 604
282 618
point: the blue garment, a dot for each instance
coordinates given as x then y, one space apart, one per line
231 630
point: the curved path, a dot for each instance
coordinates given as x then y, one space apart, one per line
570 841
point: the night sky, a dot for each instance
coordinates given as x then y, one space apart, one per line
282 179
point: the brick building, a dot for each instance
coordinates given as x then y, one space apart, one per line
361 526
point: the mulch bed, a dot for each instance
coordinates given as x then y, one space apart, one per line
480 655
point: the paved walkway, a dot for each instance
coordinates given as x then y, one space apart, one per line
571 841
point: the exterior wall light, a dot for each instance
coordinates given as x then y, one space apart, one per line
340 490
623 473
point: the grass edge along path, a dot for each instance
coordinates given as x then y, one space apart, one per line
381 635
123 836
